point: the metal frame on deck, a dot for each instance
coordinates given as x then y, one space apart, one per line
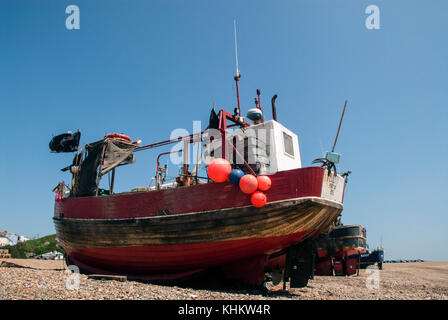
224 116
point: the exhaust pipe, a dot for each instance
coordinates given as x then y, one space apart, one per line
274 109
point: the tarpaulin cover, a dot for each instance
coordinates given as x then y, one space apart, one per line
86 185
117 153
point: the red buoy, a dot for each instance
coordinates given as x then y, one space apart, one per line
258 199
264 183
248 184
219 170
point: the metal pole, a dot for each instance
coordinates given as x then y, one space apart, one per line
158 165
339 128
237 74
237 77
222 129
186 157
101 168
113 181
274 108
259 105
242 158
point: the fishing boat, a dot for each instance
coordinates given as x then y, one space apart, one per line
338 252
340 238
372 258
181 228
344 250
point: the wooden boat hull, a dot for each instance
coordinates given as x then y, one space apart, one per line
170 246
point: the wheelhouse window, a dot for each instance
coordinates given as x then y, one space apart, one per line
287 143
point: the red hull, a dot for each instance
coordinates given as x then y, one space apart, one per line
172 233
176 260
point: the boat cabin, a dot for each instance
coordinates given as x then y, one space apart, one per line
267 147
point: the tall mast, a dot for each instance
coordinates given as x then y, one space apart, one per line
339 127
237 75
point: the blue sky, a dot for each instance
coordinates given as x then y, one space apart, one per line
147 67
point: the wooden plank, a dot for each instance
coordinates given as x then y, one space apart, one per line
107 277
276 219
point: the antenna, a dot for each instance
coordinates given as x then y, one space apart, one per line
236 48
237 76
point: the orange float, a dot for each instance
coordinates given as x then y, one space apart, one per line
248 184
258 199
264 183
219 170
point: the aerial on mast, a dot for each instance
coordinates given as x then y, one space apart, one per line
237 75
236 48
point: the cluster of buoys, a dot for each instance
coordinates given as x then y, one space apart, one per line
220 170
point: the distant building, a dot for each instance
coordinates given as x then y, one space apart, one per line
11 239
21 238
5 242
54 255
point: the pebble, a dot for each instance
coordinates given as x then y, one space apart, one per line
48 281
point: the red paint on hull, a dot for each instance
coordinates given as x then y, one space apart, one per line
148 262
291 184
